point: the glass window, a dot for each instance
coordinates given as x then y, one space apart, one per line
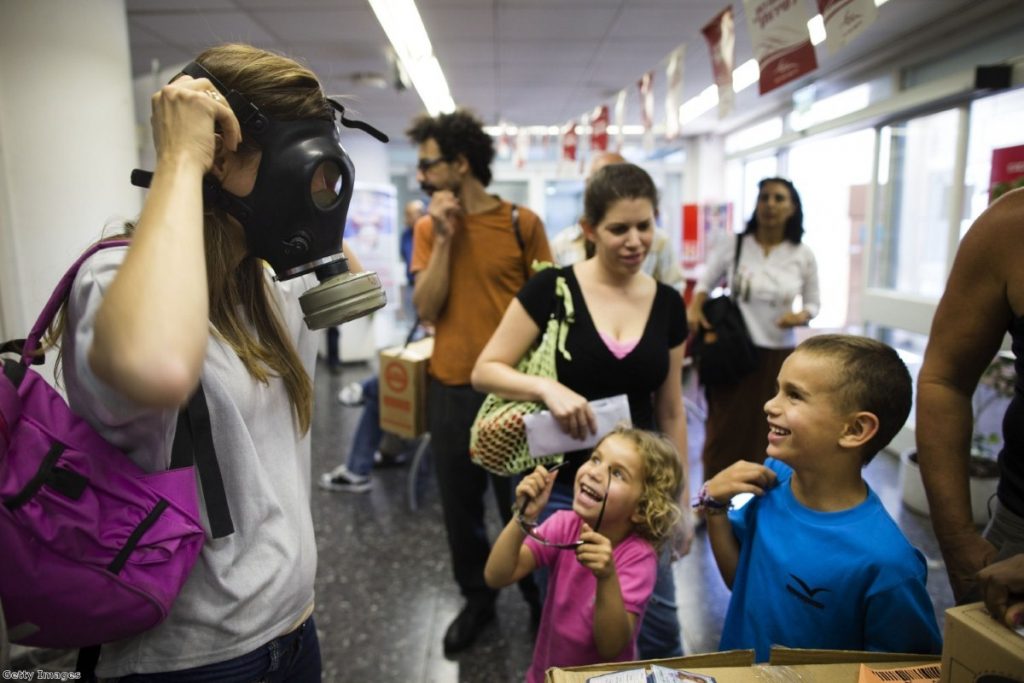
915 175
834 197
563 204
515 191
754 171
995 123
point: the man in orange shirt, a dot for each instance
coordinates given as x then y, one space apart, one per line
471 254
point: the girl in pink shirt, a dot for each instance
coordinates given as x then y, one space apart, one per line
601 555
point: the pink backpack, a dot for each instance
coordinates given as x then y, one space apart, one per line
94 548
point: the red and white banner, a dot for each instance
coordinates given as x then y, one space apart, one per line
673 91
646 86
599 129
522 151
721 36
845 20
782 44
620 120
569 141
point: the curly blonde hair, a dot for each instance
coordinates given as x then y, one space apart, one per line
663 481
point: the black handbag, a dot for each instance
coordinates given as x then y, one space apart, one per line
724 353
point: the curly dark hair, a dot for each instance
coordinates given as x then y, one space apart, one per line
457 133
795 225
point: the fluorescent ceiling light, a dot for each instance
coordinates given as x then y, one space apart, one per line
402 23
816 27
612 129
745 75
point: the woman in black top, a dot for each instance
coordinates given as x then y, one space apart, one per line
627 338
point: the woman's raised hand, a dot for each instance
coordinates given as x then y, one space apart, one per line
570 409
184 117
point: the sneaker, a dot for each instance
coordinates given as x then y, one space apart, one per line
341 479
351 395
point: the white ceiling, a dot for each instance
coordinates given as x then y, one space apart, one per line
527 62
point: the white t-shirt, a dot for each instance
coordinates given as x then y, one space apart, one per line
247 588
765 286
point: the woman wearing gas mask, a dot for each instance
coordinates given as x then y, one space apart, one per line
191 303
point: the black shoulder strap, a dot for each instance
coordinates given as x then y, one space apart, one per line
520 241
735 264
193 444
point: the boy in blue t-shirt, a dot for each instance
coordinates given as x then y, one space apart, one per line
814 560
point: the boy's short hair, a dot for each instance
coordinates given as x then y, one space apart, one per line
872 378
663 481
458 132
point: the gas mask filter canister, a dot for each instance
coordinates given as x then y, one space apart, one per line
294 218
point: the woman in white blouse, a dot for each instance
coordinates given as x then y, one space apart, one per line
776 286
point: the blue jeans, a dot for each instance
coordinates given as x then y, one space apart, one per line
368 434
660 633
293 657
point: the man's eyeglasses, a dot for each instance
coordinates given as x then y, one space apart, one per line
530 528
424 165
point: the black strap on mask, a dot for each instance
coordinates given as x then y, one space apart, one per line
253 123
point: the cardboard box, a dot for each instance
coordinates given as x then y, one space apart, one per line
737 666
403 388
975 644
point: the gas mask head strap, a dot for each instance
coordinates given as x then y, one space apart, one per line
253 121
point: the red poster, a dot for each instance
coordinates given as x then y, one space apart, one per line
782 44
569 141
599 129
721 36
692 252
845 20
1007 171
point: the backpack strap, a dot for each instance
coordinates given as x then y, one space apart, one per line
60 293
519 240
735 266
193 444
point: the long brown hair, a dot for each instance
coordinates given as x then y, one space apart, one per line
242 308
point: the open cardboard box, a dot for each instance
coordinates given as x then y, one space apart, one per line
976 645
737 666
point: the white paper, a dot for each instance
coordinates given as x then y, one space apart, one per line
545 436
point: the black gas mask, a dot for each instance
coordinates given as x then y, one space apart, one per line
294 218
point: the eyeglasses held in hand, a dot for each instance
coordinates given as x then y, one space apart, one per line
530 528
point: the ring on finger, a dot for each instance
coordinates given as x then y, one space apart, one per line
214 95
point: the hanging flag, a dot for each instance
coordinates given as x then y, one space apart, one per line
504 150
721 36
673 91
845 20
599 129
522 151
782 43
620 120
569 140
646 86
583 143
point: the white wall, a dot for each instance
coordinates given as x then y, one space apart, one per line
67 143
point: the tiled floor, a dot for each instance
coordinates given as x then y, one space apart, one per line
384 588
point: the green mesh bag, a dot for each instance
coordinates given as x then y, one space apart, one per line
497 440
